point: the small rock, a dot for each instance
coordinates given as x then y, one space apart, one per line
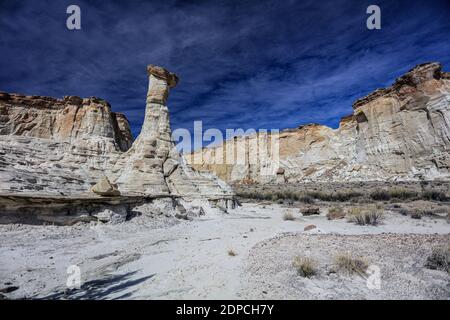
309 227
105 188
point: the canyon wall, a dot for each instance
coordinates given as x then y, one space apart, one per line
57 146
398 133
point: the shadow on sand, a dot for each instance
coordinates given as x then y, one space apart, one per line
102 288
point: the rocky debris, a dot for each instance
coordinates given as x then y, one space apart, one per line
400 133
310 210
105 188
114 215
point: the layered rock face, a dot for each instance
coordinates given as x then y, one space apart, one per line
53 146
56 153
397 133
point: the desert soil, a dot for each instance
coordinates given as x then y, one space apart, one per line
156 257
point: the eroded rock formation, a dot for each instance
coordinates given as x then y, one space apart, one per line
58 153
397 133
153 165
60 147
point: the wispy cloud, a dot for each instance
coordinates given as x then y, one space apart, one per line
247 64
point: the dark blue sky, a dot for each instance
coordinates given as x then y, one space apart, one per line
242 64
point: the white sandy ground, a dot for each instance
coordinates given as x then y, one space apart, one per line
159 258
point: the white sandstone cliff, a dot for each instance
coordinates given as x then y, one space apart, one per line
398 133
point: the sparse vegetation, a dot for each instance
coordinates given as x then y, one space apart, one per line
305 266
434 195
366 216
232 253
439 258
288 216
310 210
335 213
402 194
309 197
416 214
347 263
380 195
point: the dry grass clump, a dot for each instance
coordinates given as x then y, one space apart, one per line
305 266
277 196
336 213
345 262
288 216
414 213
434 195
335 196
439 258
310 196
231 253
366 216
310 210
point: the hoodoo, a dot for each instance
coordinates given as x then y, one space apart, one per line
58 154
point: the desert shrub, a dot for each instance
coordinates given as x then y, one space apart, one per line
370 216
335 213
310 210
380 195
434 195
402 194
288 216
231 253
306 267
305 198
439 258
347 263
277 196
334 196
416 214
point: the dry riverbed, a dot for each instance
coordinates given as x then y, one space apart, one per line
156 257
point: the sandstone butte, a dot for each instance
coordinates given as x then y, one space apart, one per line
71 159
400 133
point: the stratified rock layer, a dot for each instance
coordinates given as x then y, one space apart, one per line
398 133
78 148
57 146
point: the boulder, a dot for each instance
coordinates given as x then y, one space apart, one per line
309 227
105 188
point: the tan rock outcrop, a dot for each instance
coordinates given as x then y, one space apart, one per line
397 133
105 188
